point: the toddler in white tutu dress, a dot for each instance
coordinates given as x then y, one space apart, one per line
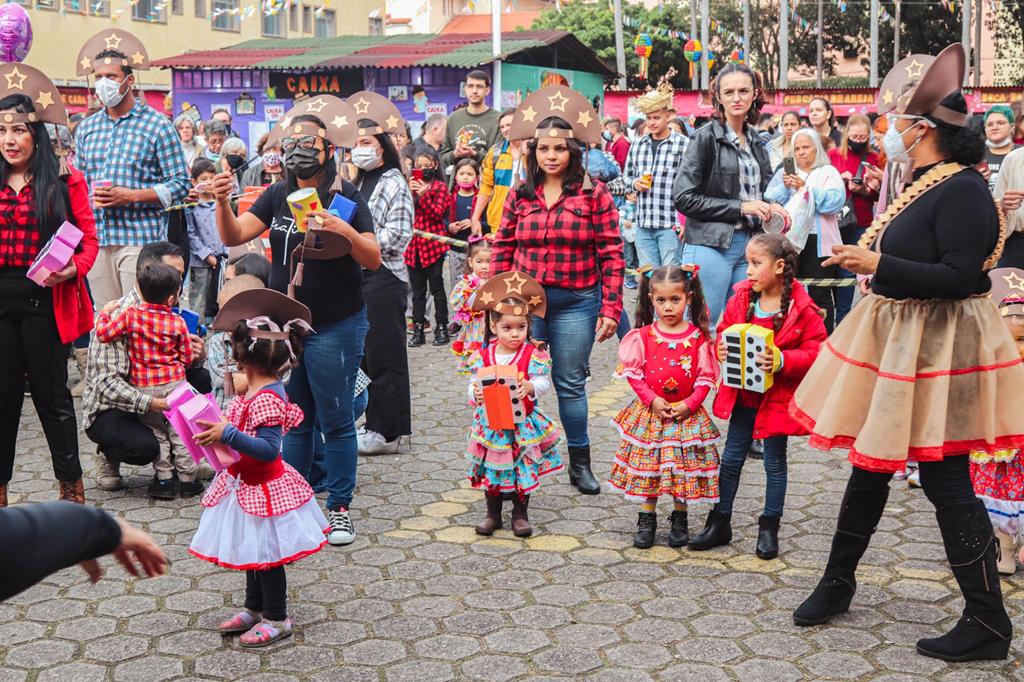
260 514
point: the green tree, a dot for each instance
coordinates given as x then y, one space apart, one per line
1008 24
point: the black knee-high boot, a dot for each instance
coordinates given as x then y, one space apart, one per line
858 517
580 475
984 630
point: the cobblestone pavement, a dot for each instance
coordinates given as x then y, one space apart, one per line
419 597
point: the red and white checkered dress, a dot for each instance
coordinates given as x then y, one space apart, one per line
259 514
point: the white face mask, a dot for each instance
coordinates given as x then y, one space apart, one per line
895 148
109 92
365 158
996 144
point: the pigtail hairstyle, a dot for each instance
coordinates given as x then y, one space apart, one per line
475 246
271 355
697 305
778 248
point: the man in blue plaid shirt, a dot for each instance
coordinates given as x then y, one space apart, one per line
650 170
132 158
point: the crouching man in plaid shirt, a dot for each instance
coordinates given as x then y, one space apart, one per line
132 159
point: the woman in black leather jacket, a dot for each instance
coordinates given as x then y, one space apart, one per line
721 182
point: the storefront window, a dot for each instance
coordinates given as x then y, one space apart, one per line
293 16
307 19
150 10
223 19
326 26
46 4
200 9
273 24
178 7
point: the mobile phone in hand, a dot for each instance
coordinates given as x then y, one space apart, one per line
789 165
417 174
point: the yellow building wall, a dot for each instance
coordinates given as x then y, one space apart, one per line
58 37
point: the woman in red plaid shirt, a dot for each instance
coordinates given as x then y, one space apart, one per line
425 256
565 233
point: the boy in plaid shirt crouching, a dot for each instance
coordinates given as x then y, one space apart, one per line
159 350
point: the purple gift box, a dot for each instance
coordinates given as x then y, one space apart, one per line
56 253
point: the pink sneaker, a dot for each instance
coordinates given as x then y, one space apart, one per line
241 622
265 633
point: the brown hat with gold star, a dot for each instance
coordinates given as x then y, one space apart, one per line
379 109
556 101
1008 290
22 79
338 118
133 52
514 293
906 74
941 78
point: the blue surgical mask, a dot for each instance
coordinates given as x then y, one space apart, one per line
607 136
212 156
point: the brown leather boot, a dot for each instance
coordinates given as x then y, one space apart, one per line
72 491
3 495
521 527
493 520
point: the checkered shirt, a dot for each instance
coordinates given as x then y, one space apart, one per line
158 342
654 208
140 150
20 239
106 381
431 211
574 244
392 210
750 172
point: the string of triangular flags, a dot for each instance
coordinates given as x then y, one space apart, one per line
266 8
715 26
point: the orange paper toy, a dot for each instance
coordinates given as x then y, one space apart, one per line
500 384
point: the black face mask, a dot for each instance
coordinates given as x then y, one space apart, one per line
429 174
235 161
303 163
857 147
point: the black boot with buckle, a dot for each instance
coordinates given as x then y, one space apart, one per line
418 337
646 526
679 535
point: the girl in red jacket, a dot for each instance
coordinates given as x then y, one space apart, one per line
769 298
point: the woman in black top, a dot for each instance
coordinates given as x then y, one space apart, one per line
923 367
323 382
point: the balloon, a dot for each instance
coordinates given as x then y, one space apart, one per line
692 50
15 33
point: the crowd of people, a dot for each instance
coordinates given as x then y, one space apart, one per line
194 272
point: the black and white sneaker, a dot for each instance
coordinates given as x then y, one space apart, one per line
342 531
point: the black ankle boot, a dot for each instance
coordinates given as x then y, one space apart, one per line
580 475
418 337
492 521
646 526
521 527
768 537
858 517
717 531
441 335
984 630
679 535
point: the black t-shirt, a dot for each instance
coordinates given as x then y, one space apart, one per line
995 162
331 288
463 211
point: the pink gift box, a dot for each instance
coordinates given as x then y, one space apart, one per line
186 406
55 254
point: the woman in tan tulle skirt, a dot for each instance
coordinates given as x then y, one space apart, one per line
922 368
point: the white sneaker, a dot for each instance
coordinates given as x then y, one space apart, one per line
372 443
914 479
342 531
108 474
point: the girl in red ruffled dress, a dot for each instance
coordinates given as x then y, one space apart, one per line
260 513
471 322
668 439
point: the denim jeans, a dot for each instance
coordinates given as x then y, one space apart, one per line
657 247
631 257
737 444
568 329
199 289
322 386
720 269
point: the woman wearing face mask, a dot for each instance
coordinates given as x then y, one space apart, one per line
323 382
38 321
782 146
922 368
233 157
216 134
383 185
270 169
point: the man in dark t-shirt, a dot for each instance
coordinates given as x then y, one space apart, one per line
998 139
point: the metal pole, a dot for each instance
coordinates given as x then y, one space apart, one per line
496 52
965 36
746 30
979 16
821 20
705 24
620 50
896 33
873 80
693 36
784 43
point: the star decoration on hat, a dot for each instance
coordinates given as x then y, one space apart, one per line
15 75
138 57
529 114
286 121
45 99
535 301
486 298
391 122
1014 282
561 99
317 105
887 97
584 119
515 284
361 106
339 121
86 63
113 41
914 69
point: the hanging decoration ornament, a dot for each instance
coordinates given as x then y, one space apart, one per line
692 51
737 57
711 60
643 45
15 33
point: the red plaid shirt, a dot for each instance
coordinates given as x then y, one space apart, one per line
574 244
20 240
429 215
158 343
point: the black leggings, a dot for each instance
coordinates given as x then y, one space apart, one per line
420 279
266 592
810 268
945 483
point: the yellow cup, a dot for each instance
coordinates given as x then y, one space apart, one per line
301 202
648 178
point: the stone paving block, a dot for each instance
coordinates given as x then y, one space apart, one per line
126 606
587 636
116 649
148 669
334 633
493 668
660 630
55 609
540 616
690 672
447 647
768 671
228 664
40 654
708 650
157 623
620 675
646 656
375 652
568 660
303 659
517 640
191 643
405 628
417 671
76 672
836 664
12 634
